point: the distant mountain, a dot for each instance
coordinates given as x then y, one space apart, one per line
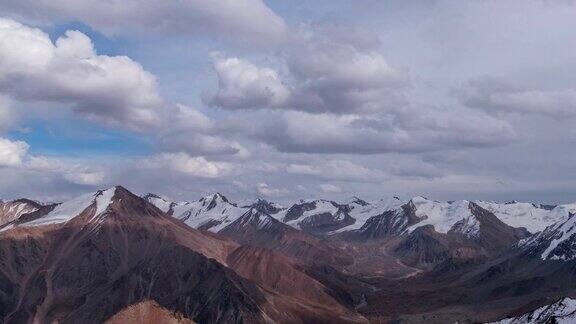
562 311
12 210
421 232
534 217
211 213
557 241
265 206
324 217
256 228
453 232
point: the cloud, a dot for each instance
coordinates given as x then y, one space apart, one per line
233 19
422 130
76 171
112 90
193 132
334 74
7 114
242 85
90 178
265 190
337 170
188 165
325 72
498 96
12 153
329 188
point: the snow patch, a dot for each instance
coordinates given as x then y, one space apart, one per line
361 212
562 311
213 208
70 209
445 215
532 217
161 203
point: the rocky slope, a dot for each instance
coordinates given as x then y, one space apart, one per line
562 311
88 259
12 210
256 228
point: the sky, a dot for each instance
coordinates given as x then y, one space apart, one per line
448 99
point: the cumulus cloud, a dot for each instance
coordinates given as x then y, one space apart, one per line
85 178
496 95
326 72
188 165
330 188
242 85
12 153
336 75
113 90
244 19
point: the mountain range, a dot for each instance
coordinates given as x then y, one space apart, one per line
117 257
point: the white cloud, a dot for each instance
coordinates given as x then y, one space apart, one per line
90 178
267 191
326 73
188 165
330 188
423 129
496 95
12 153
233 19
336 75
76 171
113 90
242 85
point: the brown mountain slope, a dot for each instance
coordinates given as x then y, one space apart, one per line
88 269
92 266
259 229
147 312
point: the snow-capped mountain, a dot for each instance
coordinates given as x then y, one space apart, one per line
265 206
446 216
319 216
534 217
212 212
93 204
558 239
561 312
362 211
12 210
256 228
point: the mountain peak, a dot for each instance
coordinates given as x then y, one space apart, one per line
214 199
163 204
356 200
62 213
215 196
151 195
